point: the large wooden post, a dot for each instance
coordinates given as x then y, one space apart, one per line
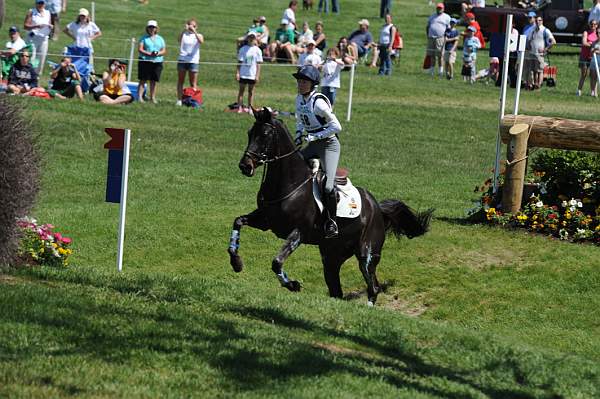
516 155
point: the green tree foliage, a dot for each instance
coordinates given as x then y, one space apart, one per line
19 176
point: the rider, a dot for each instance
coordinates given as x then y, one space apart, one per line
314 114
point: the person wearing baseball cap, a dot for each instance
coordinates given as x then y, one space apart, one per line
319 127
310 56
470 46
362 40
530 22
13 46
284 42
437 24
83 31
451 43
470 20
151 50
38 24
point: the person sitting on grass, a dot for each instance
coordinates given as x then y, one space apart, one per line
248 69
66 81
22 76
311 56
115 91
284 42
347 52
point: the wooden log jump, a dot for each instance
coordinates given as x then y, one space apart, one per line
523 131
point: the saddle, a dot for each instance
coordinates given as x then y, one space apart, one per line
349 202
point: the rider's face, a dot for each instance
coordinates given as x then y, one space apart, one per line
304 86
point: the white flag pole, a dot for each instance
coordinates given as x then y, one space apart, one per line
509 19
93 11
522 38
123 204
350 93
130 67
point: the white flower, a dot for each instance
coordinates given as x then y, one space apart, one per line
579 205
539 204
564 204
573 202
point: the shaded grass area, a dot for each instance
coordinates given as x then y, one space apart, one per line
95 334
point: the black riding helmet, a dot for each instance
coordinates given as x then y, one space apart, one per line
308 72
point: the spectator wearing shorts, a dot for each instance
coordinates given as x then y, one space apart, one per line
331 74
248 70
539 41
450 45
151 50
66 81
436 28
362 40
470 46
590 36
189 57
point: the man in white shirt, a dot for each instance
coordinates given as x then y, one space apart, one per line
12 47
539 41
436 29
311 56
290 13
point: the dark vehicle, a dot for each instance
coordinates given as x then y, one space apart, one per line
566 19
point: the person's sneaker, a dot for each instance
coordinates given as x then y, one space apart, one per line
331 229
578 93
594 94
178 103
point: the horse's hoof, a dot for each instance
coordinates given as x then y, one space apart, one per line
370 304
235 261
293 286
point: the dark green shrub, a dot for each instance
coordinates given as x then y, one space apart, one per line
569 174
19 176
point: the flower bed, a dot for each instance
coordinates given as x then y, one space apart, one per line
40 245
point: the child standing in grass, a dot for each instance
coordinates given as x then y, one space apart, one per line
248 69
450 44
331 74
470 46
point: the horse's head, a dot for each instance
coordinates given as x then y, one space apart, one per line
261 141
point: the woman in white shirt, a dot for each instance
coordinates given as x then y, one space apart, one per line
189 56
83 31
37 24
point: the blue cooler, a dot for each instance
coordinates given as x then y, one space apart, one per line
133 88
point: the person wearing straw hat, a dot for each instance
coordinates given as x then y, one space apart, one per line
151 50
319 127
39 26
83 31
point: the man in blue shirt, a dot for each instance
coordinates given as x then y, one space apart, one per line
450 46
361 39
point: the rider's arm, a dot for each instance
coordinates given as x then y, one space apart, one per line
333 126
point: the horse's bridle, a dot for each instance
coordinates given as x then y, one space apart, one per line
262 157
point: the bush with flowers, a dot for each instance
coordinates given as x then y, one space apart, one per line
41 245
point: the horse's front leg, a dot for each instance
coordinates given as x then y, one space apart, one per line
292 242
254 219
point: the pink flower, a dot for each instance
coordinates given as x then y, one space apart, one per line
58 236
66 240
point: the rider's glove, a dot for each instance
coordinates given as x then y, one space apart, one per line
311 137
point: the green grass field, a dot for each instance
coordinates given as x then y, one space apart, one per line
469 311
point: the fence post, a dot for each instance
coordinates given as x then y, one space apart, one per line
130 68
350 93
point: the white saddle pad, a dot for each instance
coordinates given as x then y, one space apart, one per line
350 203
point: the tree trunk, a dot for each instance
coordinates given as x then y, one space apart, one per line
566 134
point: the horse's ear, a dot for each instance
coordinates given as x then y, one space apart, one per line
264 115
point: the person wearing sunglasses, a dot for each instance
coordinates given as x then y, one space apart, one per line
22 76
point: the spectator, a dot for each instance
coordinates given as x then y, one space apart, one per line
248 70
189 57
324 6
310 56
151 49
283 43
436 28
115 90
303 38
22 76
331 75
512 65
56 7
362 40
585 57
467 7
470 46
385 7
530 22
255 27
347 52
595 12
492 72
319 37
83 31
450 45
289 14
539 41
14 45
39 26
472 22
66 81
262 33
386 40
595 64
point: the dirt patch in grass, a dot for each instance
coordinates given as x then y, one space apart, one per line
7 279
413 307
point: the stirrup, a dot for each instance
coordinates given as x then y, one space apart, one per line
331 229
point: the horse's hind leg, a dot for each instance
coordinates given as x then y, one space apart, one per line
367 263
254 219
291 243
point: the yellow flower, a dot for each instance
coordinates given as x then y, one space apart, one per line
54 245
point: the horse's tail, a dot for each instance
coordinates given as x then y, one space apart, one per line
401 220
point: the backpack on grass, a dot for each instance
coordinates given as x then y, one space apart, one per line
192 98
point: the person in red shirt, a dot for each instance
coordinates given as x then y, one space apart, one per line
472 22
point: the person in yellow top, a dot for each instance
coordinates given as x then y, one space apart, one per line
115 91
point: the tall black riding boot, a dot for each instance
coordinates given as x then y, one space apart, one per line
331 228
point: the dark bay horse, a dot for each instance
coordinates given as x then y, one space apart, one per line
287 207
